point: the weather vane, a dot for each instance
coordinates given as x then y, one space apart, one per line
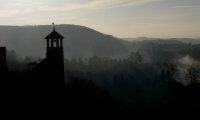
53 25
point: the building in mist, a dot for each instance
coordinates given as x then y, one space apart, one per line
50 71
3 62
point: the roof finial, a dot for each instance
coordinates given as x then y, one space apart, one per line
53 26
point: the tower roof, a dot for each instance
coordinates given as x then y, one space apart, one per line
54 35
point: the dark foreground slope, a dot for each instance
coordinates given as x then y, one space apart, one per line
83 98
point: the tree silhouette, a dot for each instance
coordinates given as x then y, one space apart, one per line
192 75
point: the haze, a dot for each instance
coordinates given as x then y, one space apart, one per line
121 18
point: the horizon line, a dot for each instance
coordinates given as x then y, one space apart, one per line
123 38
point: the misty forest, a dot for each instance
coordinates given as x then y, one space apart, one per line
102 73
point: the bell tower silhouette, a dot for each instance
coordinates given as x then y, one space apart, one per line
55 57
54 44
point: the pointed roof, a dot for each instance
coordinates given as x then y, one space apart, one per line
54 34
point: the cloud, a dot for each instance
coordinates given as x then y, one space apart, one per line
8 13
131 2
187 6
68 5
97 4
10 8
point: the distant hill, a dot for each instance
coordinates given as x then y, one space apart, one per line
162 40
79 41
85 42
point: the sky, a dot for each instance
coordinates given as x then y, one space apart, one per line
121 18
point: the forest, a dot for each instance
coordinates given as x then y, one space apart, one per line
136 85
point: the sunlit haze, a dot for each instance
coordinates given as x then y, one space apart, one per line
121 18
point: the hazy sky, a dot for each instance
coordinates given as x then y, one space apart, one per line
121 18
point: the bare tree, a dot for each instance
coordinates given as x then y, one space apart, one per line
192 75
